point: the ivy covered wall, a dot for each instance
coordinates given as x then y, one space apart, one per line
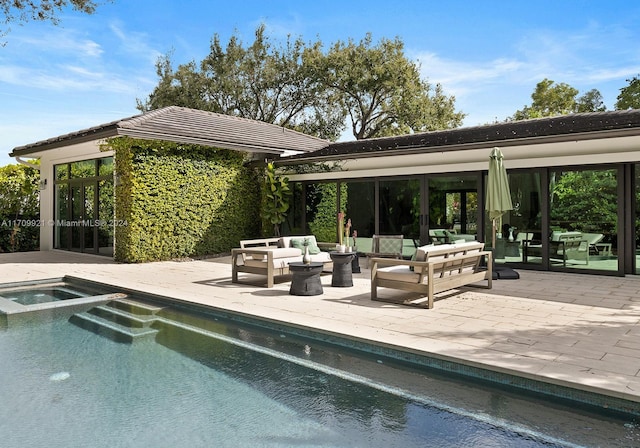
177 200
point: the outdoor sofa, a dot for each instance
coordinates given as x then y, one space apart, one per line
270 257
436 268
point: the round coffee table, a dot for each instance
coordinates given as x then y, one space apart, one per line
342 273
305 280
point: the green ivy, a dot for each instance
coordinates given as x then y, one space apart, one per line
177 200
323 217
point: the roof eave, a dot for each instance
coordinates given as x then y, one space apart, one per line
317 156
91 135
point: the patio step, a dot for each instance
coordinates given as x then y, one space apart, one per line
122 320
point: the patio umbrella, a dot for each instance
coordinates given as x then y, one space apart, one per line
498 192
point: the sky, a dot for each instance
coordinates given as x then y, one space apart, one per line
90 69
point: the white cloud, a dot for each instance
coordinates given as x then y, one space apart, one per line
134 43
60 41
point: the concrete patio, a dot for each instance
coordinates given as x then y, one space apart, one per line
573 330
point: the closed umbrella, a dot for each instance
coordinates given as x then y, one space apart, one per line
498 192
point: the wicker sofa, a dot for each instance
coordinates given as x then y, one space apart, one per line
270 257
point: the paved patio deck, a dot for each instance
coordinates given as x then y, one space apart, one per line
574 330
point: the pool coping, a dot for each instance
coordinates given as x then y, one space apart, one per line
594 398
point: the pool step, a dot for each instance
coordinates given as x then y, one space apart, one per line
121 320
135 307
122 317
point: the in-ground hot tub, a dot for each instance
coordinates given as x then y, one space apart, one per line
50 298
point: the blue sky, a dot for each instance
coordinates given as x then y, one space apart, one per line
89 70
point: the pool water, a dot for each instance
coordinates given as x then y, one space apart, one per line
233 385
41 295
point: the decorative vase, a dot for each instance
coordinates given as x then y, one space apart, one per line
511 234
306 258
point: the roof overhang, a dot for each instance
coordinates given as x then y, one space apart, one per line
548 130
183 125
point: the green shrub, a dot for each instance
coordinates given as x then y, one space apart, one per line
19 208
176 200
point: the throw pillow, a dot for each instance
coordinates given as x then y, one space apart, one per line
299 244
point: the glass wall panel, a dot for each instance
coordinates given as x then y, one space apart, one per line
519 231
453 208
61 237
89 217
105 166
83 168
84 194
399 206
61 172
359 204
584 219
76 217
294 223
399 211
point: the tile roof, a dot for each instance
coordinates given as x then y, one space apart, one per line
541 130
183 125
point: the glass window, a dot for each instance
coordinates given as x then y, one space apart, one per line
453 204
61 239
295 215
358 202
83 168
519 234
61 172
105 166
399 207
82 197
583 219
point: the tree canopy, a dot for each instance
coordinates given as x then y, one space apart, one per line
299 86
21 11
263 81
629 97
380 90
551 99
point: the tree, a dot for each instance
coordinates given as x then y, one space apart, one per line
629 97
21 11
551 99
300 87
591 101
262 82
381 90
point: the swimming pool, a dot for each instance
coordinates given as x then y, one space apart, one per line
204 380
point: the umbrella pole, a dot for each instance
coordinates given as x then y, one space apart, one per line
493 235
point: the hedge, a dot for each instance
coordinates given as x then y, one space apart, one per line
178 200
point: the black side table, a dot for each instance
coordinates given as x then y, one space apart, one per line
341 268
305 280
